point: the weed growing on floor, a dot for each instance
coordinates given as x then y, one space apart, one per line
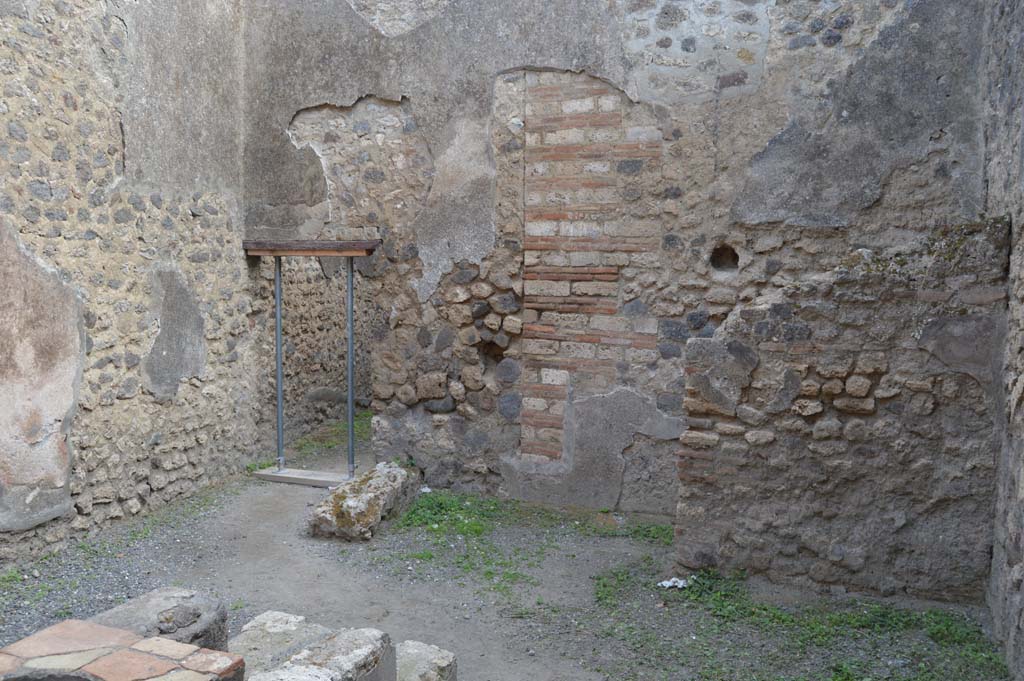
257 466
141 528
331 436
460 527
940 645
450 514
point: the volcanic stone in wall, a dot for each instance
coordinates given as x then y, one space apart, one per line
41 357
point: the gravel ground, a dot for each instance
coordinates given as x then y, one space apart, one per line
521 594
96 574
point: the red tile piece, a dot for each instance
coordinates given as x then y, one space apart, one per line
129 665
8 663
70 636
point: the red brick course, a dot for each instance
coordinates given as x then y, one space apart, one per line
575 209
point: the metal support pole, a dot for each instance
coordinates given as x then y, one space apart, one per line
350 377
280 362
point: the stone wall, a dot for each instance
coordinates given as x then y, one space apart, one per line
1005 175
842 428
746 230
135 334
631 210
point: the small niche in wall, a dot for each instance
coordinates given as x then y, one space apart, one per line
724 258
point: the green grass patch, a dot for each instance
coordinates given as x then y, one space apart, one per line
424 556
956 646
257 466
335 434
448 513
10 578
460 527
609 586
652 533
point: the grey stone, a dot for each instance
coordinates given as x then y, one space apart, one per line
354 509
674 330
510 405
670 350
508 371
269 640
630 167
720 371
504 303
353 655
178 614
445 405
802 41
422 662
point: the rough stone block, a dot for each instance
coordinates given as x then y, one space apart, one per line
177 614
355 509
353 655
272 638
422 662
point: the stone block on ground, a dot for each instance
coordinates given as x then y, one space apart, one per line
423 662
353 655
269 640
354 510
178 614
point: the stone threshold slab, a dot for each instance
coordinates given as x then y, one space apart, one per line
295 476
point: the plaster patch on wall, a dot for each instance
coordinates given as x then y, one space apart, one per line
395 17
692 52
378 167
179 350
888 112
457 223
42 345
599 430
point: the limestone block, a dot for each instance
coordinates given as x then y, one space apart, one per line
760 437
422 662
295 673
177 614
272 638
354 509
353 655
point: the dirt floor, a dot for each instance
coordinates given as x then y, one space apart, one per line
516 592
